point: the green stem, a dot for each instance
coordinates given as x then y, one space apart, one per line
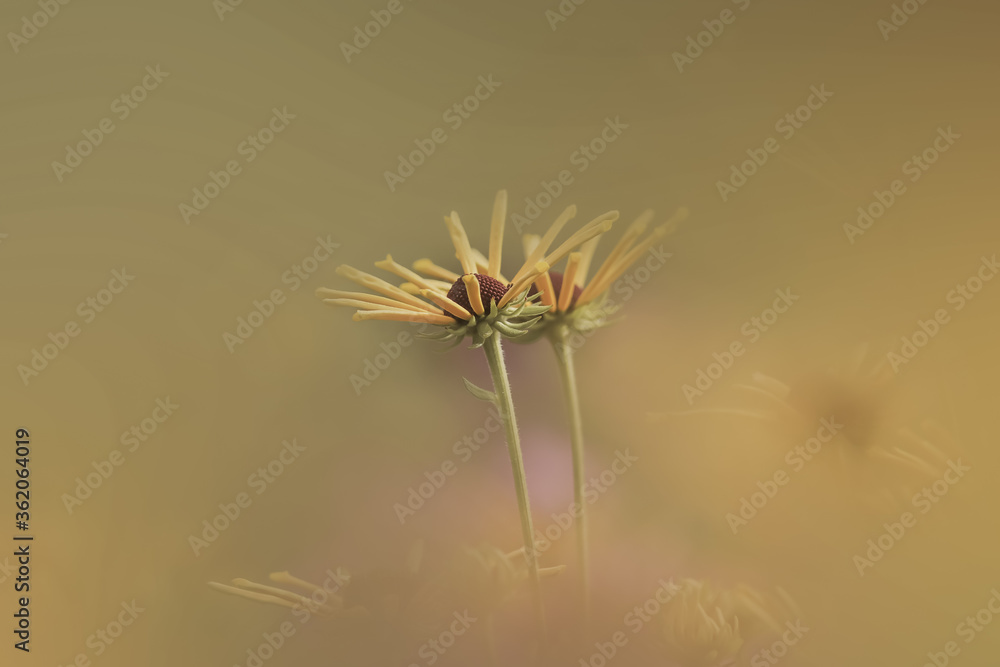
505 404
567 372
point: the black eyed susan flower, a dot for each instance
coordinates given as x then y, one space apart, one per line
479 302
367 612
476 302
877 460
579 300
372 601
578 303
295 593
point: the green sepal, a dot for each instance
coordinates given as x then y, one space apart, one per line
480 393
513 321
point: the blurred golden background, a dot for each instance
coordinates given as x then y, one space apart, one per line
178 163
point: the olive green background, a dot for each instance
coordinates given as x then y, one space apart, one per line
323 176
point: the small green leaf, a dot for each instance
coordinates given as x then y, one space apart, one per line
480 393
508 330
434 335
531 311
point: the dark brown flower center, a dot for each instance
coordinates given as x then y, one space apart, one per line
557 282
821 394
490 289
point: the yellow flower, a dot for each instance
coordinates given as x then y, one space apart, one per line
571 290
882 462
462 302
479 303
476 578
295 593
575 306
376 594
705 624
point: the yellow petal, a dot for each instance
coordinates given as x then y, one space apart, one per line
403 316
519 287
329 294
475 297
546 241
530 242
390 265
496 234
442 300
599 225
569 281
250 595
587 251
611 271
382 287
363 305
288 596
288 579
437 285
637 251
634 231
544 285
435 271
551 571
483 266
463 251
